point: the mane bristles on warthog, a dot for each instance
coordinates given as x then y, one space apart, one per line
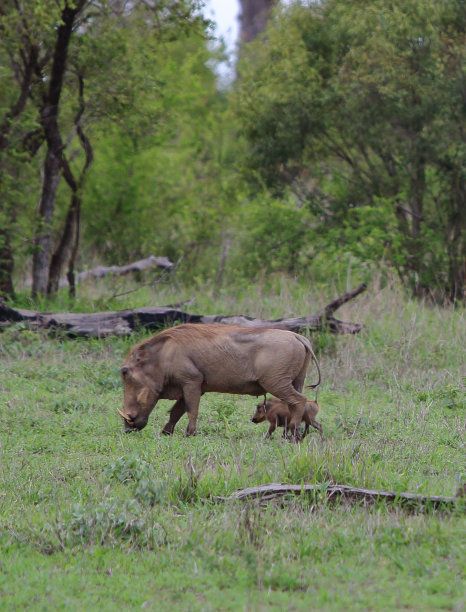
184 362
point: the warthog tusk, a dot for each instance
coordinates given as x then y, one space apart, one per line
122 414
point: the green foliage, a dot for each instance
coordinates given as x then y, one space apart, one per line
338 150
451 397
127 61
357 106
135 470
104 524
275 236
166 187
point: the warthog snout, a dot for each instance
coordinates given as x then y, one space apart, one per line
133 423
259 415
134 426
140 423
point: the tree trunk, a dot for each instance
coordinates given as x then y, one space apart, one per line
254 15
29 57
49 121
40 260
63 250
418 185
68 245
70 275
226 246
456 238
6 265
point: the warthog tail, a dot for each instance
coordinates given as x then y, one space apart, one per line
308 347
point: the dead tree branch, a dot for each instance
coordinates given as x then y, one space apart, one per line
340 494
123 322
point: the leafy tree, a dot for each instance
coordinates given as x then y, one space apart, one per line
360 108
167 182
89 64
21 56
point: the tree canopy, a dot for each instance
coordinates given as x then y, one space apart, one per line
362 105
342 138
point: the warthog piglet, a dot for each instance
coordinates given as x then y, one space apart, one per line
278 414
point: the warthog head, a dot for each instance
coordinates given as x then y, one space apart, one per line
139 397
259 416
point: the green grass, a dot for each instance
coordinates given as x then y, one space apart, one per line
91 518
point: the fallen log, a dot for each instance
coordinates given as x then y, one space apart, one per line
123 322
136 266
340 494
163 263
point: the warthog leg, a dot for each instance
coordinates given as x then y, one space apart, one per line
176 412
318 426
295 400
192 394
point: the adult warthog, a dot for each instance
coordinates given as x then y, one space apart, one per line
183 363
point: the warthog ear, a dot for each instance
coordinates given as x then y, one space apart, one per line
139 355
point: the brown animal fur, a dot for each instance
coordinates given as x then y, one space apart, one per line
184 362
278 414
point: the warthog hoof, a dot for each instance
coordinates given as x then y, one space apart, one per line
295 438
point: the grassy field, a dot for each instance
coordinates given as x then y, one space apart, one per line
91 518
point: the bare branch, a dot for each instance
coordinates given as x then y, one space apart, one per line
335 493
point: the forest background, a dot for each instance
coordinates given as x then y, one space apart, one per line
340 144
